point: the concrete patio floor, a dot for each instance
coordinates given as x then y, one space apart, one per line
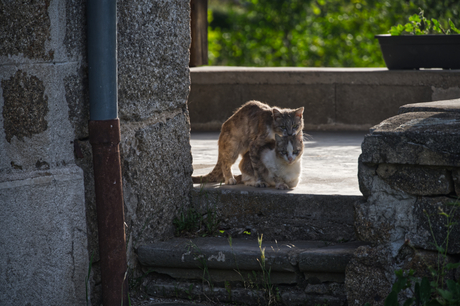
329 162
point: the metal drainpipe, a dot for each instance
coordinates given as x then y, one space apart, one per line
104 136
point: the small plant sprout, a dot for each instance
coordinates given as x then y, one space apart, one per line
87 277
187 221
190 222
228 288
272 293
419 25
262 251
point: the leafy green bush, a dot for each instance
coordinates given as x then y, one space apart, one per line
332 33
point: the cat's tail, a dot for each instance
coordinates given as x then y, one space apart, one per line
215 176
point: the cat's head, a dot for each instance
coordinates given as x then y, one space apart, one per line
287 122
289 148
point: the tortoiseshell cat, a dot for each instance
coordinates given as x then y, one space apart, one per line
282 159
248 130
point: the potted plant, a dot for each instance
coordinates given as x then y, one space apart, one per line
413 46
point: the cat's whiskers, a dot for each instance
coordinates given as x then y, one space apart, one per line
307 137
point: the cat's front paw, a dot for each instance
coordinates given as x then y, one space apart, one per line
261 184
282 186
231 181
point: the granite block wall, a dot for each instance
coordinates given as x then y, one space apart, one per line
43 246
408 174
46 179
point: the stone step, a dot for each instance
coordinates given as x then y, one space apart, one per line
298 269
278 214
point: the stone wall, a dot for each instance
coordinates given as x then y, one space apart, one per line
154 81
43 246
153 85
46 178
334 98
408 173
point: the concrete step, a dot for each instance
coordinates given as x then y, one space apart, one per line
230 269
278 214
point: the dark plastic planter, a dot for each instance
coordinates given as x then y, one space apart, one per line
420 51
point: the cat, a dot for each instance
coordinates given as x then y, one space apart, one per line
248 130
282 159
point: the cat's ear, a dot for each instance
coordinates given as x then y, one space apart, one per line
276 114
299 112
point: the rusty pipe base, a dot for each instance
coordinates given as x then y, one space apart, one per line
104 137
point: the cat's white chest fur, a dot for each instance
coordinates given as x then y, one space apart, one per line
280 170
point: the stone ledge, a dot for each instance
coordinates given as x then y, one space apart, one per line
243 254
299 272
415 138
332 259
311 75
437 106
279 214
332 294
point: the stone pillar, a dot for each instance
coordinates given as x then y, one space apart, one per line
408 173
154 81
48 202
43 245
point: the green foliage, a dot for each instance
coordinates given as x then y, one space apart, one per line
424 292
421 290
438 291
228 288
211 222
333 33
272 293
202 264
420 25
191 223
188 221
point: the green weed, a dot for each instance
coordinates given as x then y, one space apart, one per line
439 290
211 221
136 282
418 25
189 292
198 255
228 288
271 291
191 223
188 221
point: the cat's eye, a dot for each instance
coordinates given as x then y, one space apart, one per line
295 152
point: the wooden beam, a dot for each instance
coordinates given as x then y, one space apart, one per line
199 29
